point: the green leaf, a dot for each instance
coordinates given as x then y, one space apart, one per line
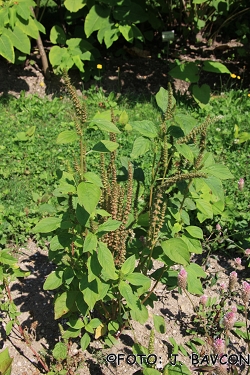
60 351
74 5
201 93
5 362
19 39
218 170
129 265
195 232
205 208
140 147
128 294
106 260
195 272
88 195
85 341
49 224
137 278
105 146
109 226
64 302
186 151
6 48
159 323
53 281
127 32
177 250
145 127
123 119
139 314
93 178
194 245
105 125
150 371
162 99
177 369
188 72
57 35
90 243
96 19
215 67
67 136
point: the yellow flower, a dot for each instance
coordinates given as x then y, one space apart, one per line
238 77
233 75
99 66
42 84
248 95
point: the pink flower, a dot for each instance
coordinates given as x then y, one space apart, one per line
228 320
241 184
245 292
219 346
222 286
218 227
247 252
237 261
234 309
182 279
232 280
203 299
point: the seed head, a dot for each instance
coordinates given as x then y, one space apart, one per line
228 320
182 279
232 280
219 346
203 299
245 292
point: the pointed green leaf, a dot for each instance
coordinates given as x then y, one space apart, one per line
74 5
57 35
49 224
177 250
195 232
93 178
215 67
5 362
63 303
109 225
159 323
6 48
105 146
90 243
162 99
205 208
123 119
19 39
96 18
85 341
67 136
129 265
105 125
140 147
88 195
218 170
53 281
201 93
194 245
60 351
128 294
106 260
145 127
186 151
188 72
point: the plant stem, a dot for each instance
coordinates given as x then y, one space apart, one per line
154 286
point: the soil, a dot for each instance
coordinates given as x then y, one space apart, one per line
141 76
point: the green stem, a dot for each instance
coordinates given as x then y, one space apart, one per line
154 286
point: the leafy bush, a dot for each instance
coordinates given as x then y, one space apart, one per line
110 226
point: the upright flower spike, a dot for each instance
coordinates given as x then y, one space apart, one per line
232 280
203 300
228 320
241 184
182 279
237 261
245 292
219 346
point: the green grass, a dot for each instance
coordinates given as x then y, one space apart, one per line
28 168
